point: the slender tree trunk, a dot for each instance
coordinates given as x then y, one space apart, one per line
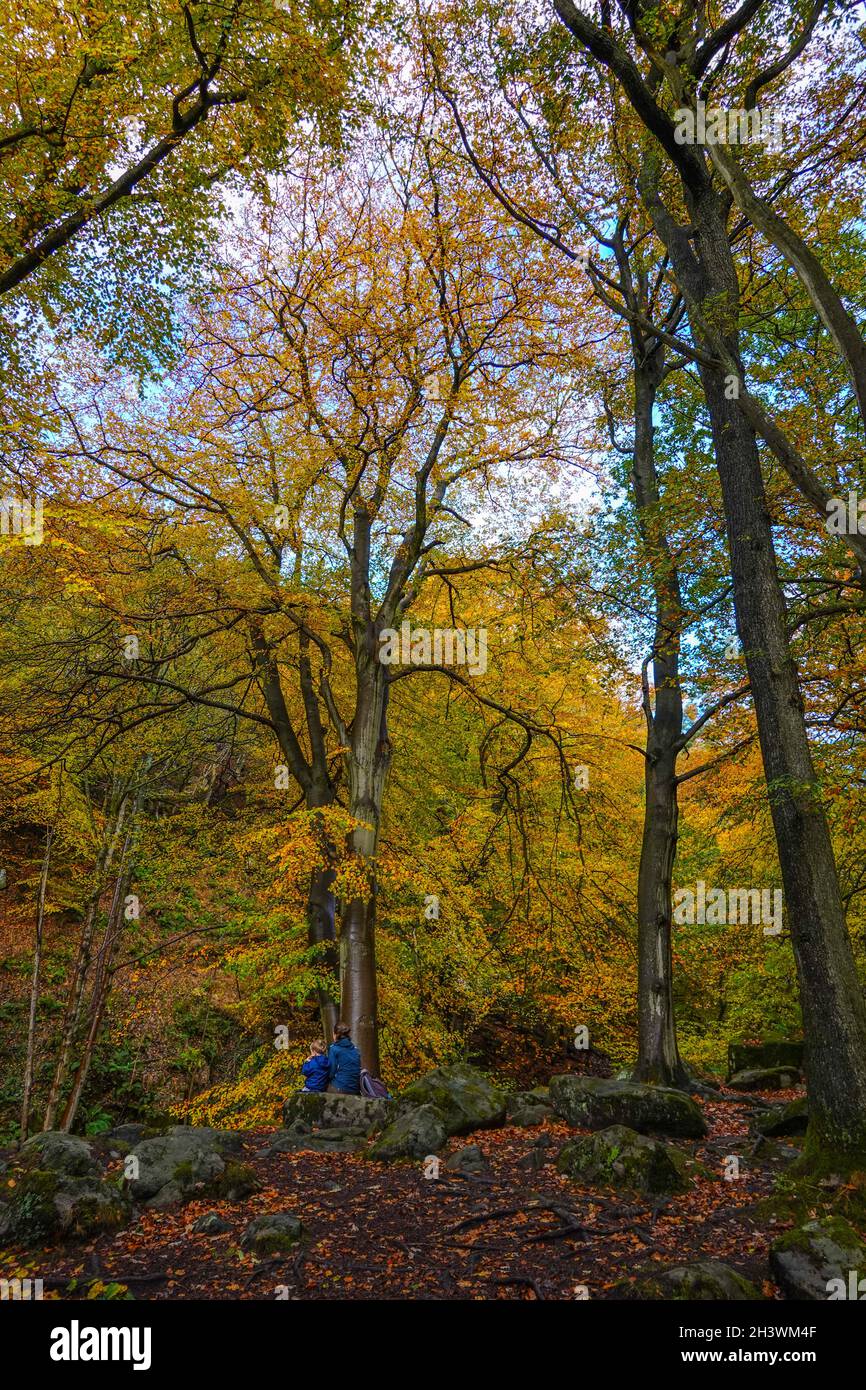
34 991
658 1054
101 989
75 996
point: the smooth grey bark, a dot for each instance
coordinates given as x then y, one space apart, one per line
368 763
658 1054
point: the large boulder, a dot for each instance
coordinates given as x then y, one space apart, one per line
701 1280
792 1118
45 1205
591 1102
462 1095
272 1233
759 1056
416 1133
60 1153
622 1158
815 1261
307 1110
54 1190
766 1079
182 1163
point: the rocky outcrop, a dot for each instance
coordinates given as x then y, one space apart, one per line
701 1281
463 1097
416 1133
621 1158
759 1056
590 1102
54 1190
183 1163
816 1261
322 1110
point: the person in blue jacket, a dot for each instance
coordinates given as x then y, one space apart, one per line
315 1069
344 1063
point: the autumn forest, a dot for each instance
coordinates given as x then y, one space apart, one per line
433 655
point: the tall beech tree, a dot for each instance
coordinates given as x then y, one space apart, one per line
374 373
834 1009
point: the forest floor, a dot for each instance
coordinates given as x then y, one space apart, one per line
385 1231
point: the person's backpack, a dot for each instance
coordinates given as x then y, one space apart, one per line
371 1086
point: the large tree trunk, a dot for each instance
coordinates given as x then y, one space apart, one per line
369 762
832 1001
314 780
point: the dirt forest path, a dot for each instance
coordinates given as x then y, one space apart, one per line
521 1231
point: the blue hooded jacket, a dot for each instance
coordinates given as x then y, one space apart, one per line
315 1073
344 1067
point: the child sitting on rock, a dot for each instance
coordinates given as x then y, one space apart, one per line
315 1069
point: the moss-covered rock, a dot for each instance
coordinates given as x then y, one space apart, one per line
176 1165
469 1160
701 1281
61 1153
323 1141
273 1232
415 1133
42 1204
462 1095
766 1079
814 1261
619 1157
591 1102
236 1182
622 1158
210 1224
528 1108
792 1118
304 1111
757 1056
